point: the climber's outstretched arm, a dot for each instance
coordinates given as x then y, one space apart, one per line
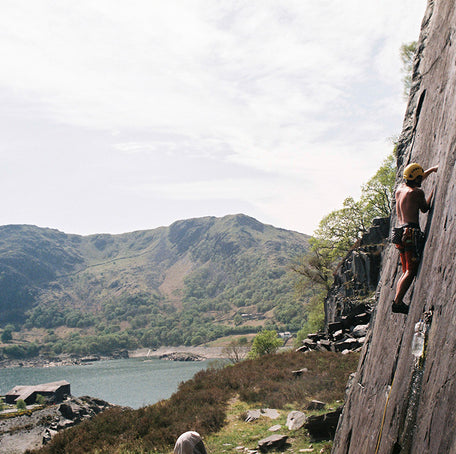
429 171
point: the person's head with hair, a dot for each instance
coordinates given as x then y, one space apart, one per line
190 443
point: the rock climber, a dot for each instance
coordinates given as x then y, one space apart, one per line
190 443
409 239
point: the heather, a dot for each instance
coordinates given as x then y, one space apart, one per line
202 403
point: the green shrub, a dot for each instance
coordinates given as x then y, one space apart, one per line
40 400
15 351
21 351
7 336
20 404
200 404
265 343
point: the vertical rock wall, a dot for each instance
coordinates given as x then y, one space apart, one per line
396 405
358 274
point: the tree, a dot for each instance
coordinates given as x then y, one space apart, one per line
315 267
238 319
7 334
236 350
378 192
407 52
315 317
20 404
265 342
336 234
340 229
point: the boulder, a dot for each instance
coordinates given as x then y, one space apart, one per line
334 326
90 359
272 442
298 373
316 405
316 336
47 435
64 424
362 318
309 342
295 420
360 330
67 411
181 356
252 415
93 405
275 428
350 344
323 427
347 322
270 413
325 343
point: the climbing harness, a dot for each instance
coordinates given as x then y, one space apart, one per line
408 238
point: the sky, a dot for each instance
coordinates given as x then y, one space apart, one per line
118 116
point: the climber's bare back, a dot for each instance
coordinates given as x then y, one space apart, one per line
409 202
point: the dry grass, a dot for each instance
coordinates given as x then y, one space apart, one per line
202 403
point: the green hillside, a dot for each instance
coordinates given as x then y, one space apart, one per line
184 284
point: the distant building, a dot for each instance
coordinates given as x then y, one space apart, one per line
55 392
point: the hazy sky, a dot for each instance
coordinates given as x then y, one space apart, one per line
124 115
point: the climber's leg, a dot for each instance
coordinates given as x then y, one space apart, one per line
410 262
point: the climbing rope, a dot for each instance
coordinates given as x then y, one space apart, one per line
383 418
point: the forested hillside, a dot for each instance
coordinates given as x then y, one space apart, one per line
188 283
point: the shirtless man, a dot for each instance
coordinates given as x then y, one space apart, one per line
410 200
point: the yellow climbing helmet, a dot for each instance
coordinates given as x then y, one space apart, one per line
413 171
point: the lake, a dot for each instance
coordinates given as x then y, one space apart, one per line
133 382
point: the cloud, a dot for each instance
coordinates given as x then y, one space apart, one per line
294 92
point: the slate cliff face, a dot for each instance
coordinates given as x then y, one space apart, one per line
396 404
358 274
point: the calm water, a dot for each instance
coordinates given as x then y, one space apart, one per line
131 382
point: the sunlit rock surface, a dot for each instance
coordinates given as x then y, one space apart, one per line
395 403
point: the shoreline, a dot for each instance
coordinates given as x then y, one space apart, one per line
205 352
72 360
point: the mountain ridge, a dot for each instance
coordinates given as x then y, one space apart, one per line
209 265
